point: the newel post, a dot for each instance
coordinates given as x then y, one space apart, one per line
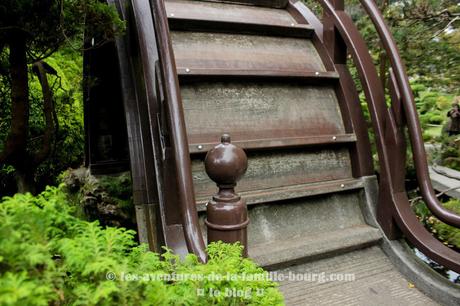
227 214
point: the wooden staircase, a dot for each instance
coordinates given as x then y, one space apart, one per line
270 75
261 75
255 73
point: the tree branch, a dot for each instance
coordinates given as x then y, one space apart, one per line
446 27
48 110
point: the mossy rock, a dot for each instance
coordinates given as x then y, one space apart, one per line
106 198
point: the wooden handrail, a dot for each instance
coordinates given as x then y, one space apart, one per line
177 132
411 116
393 204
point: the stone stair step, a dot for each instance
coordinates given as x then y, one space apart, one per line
277 254
292 192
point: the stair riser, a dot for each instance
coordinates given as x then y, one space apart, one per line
222 10
232 51
280 168
259 110
302 217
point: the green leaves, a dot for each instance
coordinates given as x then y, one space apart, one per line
48 256
18 289
446 233
47 25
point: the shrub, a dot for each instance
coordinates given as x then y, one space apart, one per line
436 119
448 234
448 154
50 257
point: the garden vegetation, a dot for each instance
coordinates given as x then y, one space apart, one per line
50 257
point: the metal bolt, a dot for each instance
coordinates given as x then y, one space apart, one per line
172 15
200 147
342 185
316 73
187 70
334 137
292 24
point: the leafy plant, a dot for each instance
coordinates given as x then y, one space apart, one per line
448 234
448 154
50 257
32 31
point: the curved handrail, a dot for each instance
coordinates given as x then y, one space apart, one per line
402 83
178 135
390 190
413 125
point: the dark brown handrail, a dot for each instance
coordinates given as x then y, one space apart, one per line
393 203
177 132
413 125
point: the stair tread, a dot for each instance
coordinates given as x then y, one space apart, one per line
211 16
281 142
291 192
314 246
257 3
187 73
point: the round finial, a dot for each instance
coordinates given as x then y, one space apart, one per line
226 163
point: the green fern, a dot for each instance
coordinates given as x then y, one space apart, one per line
49 256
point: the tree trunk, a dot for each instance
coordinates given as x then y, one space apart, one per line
15 150
15 146
25 181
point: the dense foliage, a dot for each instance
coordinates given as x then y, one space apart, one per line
50 257
40 111
67 149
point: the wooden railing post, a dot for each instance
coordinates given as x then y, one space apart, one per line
227 214
332 39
